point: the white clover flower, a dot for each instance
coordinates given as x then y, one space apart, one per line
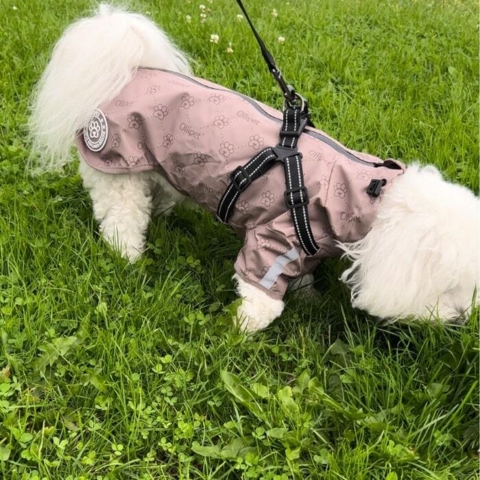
210 1
239 17
274 13
214 38
229 48
202 7
188 18
281 39
14 8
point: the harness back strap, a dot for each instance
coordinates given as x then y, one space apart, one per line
296 196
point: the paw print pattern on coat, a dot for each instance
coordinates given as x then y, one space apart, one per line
134 121
243 206
200 159
220 122
179 167
187 101
116 140
324 182
160 111
153 89
264 270
167 140
268 198
340 190
256 141
226 149
216 98
263 244
132 161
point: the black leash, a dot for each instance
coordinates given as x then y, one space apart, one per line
292 99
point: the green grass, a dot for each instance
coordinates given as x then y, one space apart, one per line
136 372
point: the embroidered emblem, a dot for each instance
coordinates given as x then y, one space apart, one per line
95 133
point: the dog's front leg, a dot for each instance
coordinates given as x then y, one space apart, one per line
122 205
258 309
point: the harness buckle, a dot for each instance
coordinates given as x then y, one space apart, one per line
285 152
240 179
292 202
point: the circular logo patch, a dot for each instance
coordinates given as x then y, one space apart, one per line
95 133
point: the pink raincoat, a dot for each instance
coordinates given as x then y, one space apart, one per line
195 133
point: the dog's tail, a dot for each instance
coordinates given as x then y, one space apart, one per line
93 60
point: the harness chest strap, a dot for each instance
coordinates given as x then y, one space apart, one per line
296 196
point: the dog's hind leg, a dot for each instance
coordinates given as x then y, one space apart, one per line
122 205
165 197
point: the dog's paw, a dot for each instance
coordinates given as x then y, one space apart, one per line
249 323
258 309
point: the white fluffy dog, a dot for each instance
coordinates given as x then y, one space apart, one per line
420 257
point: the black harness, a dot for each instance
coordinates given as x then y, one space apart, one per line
295 118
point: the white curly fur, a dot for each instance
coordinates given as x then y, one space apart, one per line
420 257
257 310
93 60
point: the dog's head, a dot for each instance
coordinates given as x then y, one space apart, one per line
421 256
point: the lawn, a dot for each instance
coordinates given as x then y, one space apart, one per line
110 370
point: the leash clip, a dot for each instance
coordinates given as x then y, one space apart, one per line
288 91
